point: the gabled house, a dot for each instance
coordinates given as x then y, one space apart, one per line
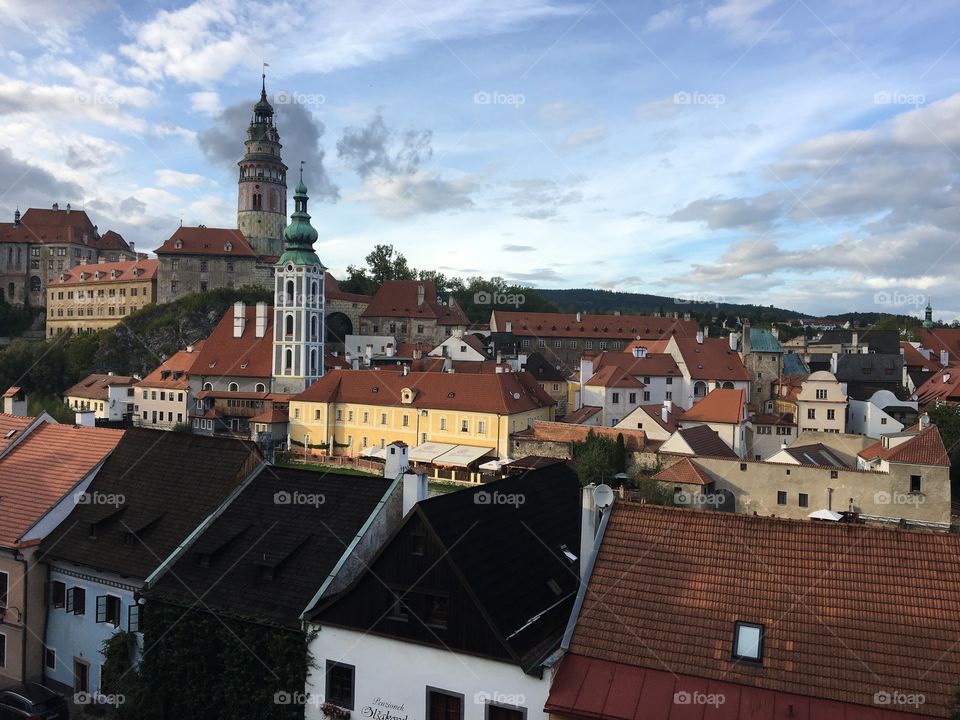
551 378
163 399
152 493
106 395
43 465
287 539
461 613
461 347
706 364
615 391
724 411
658 421
699 440
756 618
413 311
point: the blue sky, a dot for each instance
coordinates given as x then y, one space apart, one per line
802 154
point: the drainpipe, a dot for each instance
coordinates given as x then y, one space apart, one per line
18 557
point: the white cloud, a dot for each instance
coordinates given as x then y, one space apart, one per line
668 17
174 179
425 192
585 136
206 102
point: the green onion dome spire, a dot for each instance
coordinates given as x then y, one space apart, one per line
300 235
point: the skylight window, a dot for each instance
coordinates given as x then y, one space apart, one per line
567 554
748 642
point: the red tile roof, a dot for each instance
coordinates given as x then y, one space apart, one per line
653 365
943 386
614 377
97 386
623 327
46 465
655 412
711 360
207 241
12 425
501 393
653 347
634 440
398 298
123 271
11 391
578 417
684 471
246 356
720 405
174 372
925 448
704 440
112 240
272 416
848 610
937 339
913 359
591 688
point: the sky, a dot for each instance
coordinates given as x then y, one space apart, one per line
791 153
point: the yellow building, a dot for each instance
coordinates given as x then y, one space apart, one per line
469 417
87 298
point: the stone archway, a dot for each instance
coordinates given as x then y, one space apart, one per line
337 326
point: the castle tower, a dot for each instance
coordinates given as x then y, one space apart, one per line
298 303
262 191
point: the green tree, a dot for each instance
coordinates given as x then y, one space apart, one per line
653 491
594 459
620 455
947 419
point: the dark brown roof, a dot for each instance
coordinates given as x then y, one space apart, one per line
848 610
581 415
704 440
815 454
169 483
112 240
398 298
97 386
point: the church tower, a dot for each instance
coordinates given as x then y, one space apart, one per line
298 322
928 316
262 192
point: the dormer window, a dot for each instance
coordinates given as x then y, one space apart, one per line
114 273
748 642
178 244
227 246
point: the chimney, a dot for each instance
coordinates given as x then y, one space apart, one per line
665 413
699 337
418 353
834 359
420 293
239 318
499 357
706 331
734 337
589 521
746 337
414 490
355 363
261 328
783 446
390 350
924 421
586 368
775 331
499 370
579 317
944 358
397 462
508 326
854 337
406 370
56 206
68 207
668 404
132 245
686 317
616 313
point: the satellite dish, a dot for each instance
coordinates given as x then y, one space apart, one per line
603 496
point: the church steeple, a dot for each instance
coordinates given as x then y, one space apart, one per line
262 191
928 316
300 235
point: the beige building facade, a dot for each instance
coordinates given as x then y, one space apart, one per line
822 404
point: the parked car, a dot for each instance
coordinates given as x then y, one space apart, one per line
32 701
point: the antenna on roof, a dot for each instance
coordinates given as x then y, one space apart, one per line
181 219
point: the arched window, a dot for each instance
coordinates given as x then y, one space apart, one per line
208 386
290 292
313 362
288 360
260 387
35 284
728 385
315 292
699 389
288 329
257 201
313 328
233 387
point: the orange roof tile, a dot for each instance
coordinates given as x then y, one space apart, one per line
720 405
913 359
246 356
398 298
207 241
174 372
712 359
46 465
685 471
623 327
944 385
925 448
937 339
848 610
123 271
501 393
614 377
653 365
10 428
